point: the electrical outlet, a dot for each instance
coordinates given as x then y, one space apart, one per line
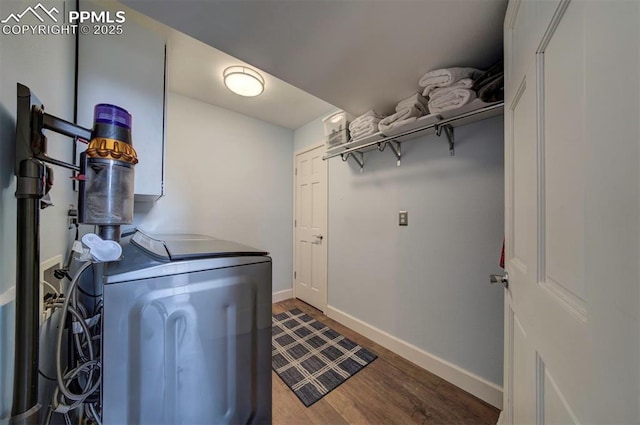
46 275
403 218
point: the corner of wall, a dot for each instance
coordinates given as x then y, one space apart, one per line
311 133
468 381
7 313
282 295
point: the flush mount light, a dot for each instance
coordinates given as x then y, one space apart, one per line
243 81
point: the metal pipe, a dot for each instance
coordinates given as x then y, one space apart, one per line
493 107
48 159
98 279
25 379
64 127
31 184
109 232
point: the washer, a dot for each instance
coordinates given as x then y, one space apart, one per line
187 332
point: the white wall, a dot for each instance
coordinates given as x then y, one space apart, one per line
310 134
427 283
228 176
46 65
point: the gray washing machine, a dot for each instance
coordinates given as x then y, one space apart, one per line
187 333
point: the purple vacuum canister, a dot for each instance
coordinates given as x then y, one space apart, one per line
106 194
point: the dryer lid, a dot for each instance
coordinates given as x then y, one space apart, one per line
176 247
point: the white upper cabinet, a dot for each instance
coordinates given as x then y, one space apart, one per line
126 69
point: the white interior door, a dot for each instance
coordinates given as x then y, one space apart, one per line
572 212
310 232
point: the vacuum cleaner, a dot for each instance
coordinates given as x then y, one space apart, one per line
106 185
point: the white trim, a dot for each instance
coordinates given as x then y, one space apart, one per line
512 14
500 418
326 223
281 295
293 238
305 150
8 296
468 381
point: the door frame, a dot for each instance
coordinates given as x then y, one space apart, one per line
325 241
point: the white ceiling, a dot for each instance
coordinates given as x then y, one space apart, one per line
355 54
195 69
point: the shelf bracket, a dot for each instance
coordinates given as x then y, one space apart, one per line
448 130
357 157
395 148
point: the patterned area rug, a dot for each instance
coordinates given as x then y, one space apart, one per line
311 358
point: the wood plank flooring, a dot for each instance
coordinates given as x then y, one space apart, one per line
391 390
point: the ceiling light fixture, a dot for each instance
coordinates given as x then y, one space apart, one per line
243 81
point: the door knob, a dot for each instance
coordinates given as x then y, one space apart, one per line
318 239
499 278
317 236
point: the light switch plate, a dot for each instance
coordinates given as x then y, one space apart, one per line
403 218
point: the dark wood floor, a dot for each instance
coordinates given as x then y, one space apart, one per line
391 390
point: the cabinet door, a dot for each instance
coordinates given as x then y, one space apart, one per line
127 70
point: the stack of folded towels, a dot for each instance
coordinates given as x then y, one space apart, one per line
365 125
490 86
407 111
449 88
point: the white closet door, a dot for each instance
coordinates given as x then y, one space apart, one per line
572 212
310 282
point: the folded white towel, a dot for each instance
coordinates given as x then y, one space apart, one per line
454 99
445 77
465 83
363 123
385 128
369 117
372 113
365 120
423 108
415 100
365 131
401 115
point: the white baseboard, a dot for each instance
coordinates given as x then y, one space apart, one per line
474 384
282 295
8 296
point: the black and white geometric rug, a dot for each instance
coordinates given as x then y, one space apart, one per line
311 358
